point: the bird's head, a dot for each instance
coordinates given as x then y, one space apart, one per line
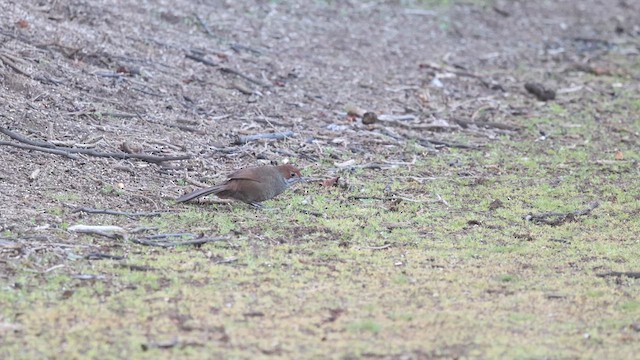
290 174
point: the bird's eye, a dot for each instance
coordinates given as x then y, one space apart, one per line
293 174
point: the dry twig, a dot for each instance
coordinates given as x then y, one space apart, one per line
631 274
274 136
554 218
226 69
120 213
70 152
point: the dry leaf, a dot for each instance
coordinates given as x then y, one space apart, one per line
619 155
330 182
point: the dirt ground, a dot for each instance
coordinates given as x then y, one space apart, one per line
188 79
105 74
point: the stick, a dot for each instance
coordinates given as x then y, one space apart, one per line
113 212
246 77
487 124
559 218
112 232
204 26
38 148
165 244
148 158
6 59
200 59
100 256
164 236
227 70
135 267
68 152
631 274
26 140
428 142
276 136
385 246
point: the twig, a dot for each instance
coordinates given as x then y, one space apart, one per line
53 268
204 26
276 136
228 260
442 200
9 244
631 274
160 345
7 59
88 277
135 267
226 69
385 246
167 244
113 232
100 256
164 236
26 140
148 158
69 152
140 229
200 59
487 124
313 213
554 219
240 47
42 149
246 77
113 212
428 142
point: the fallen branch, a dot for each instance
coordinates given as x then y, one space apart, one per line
274 136
26 140
555 219
69 152
42 149
120 213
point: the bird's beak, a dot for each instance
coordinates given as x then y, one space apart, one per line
295 180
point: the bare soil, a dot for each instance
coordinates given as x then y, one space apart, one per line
114 74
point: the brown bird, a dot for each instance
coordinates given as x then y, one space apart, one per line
252 185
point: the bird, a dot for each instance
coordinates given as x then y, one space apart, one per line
252 185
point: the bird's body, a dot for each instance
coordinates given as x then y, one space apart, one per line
252 185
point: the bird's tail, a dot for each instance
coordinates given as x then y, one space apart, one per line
200 192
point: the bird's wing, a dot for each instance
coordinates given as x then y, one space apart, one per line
242 178
242 174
